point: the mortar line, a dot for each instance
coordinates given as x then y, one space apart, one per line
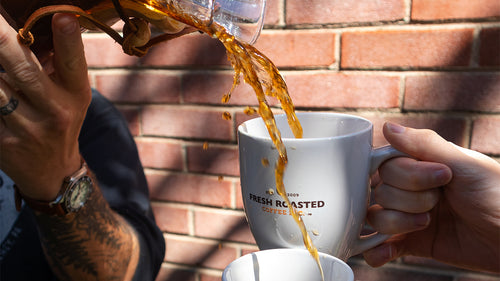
408 6
475 48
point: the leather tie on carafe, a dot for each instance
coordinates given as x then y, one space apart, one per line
136 39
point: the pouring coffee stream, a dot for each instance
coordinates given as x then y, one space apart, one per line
255 68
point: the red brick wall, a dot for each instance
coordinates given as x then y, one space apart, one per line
424 63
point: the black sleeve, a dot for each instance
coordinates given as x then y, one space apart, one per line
111 153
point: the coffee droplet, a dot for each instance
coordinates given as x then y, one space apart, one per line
265 162
315 232
226 115
249 110
225 98
270 191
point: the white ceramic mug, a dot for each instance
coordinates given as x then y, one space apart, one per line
286 265
327 179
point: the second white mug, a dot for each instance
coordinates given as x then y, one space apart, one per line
286 265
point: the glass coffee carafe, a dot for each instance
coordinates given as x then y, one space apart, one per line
241 18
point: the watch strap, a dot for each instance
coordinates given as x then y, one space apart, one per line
46 207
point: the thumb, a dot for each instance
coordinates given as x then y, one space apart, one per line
69 57
423 144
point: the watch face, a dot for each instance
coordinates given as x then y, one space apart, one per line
78 194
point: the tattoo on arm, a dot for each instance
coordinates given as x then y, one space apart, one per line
93 244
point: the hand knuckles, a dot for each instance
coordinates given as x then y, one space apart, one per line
412 179
420 202
428 200
26 73
5 37
406 201
380 193
388 222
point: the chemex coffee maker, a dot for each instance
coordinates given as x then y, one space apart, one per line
242 19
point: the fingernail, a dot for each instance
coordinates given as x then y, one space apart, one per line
68 25
422 219
389 252
385 252
395 128
380 255
442 176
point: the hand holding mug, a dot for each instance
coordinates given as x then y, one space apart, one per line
444 206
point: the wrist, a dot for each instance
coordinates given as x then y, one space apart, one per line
46 185
71 197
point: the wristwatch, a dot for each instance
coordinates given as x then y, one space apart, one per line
74 193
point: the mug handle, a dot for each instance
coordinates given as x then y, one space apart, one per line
377 157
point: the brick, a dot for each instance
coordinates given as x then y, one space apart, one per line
365 272
453 91
489 46
175 274
118 26
329 12
160 153
191 189
248 250
333 89
454 9
222 226
140 87
239 196
415 48
450 128
291 48
171 219
189 50
102 51
485 135
195 251
210 87
205 277
214 160
272 12
131 115
185 122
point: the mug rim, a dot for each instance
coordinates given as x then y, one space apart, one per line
369 127
290 251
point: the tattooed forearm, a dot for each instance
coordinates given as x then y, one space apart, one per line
93 244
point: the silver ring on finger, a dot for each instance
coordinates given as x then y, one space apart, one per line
9 107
